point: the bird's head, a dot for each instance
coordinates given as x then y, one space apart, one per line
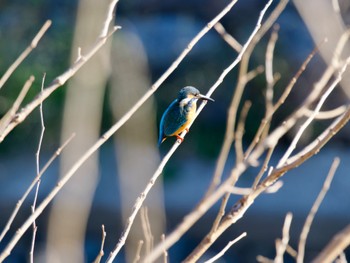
191 93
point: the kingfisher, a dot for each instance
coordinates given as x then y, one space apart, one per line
180 113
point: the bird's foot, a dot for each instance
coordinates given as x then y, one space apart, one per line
179 138
187 130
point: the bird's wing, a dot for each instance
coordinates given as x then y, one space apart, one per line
172 119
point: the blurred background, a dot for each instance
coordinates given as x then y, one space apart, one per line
153 34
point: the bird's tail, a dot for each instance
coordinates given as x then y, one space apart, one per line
161 139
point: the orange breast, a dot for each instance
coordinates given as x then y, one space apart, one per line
189 116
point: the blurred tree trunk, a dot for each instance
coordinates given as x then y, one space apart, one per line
82 115
136 142
326 22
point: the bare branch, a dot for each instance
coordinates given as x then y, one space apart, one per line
10 114
269 67
281 100
244 203
263 259
313 211
37 156
165 253
241 83
138 252
25 53
174 236
334 248
240 131
282 246
221 213
227 247
227 37
101 253
43 170
324 115
60 80
146 228
310 119
263 168
270 78
110 14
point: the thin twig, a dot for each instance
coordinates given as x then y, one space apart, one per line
325 115
281 100
240 131
312 116
244 203
146 228
165 253
25 53
263 168
101 253
10 114
269 64
291 251
109 18
43 170
227 37
314 209
227 247
246 191
63 78
270 79
241 83
282 245
138 252
172 238
220 214
276 134
262 259
60 81
37 157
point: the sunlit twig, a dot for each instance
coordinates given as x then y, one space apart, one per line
282 244
37 157
25 53
227 37
138 252
101 253
227 247
42 171
313 211
10 114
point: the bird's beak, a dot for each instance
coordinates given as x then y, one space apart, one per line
202 97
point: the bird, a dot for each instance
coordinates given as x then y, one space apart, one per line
180 113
